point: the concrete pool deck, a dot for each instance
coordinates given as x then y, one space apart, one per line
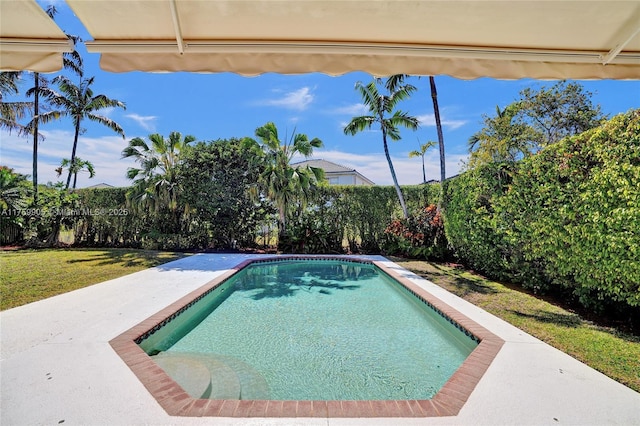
57 367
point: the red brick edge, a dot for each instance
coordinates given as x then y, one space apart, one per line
176 402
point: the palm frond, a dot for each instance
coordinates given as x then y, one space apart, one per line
370 96
402 93
105 121
14 111
9 83
49 116
358 124
73 60
316 143
401 118
318 173
394 82
11 125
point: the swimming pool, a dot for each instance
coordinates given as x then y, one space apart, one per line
334 336
317 330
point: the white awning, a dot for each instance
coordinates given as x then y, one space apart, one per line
29 39
465 39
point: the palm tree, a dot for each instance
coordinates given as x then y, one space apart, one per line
436 112
77 167
380 106
155 183
280 182
70 60
79 102
423 150
39 117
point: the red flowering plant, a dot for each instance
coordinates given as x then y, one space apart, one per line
421 235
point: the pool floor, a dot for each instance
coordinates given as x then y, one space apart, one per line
177 401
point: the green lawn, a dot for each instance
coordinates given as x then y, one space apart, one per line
608 350
30 275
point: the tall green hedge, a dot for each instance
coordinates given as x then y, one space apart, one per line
578 206
471 223
568 218
105 219
354 215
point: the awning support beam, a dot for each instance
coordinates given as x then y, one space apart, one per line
35 45
251 46
627 33
176 25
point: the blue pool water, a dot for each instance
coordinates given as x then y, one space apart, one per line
314 330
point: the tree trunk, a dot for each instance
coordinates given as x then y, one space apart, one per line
282 243
36 112
393 174
424 172
53 238
73 153
436 111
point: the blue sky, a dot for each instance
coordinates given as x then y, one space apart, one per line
213 106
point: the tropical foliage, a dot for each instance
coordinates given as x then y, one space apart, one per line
156 183
579 213
14 192
288 187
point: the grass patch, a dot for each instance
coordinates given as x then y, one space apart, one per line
605 349
30 275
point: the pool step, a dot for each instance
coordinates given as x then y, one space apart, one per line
192 375
227 377
252 383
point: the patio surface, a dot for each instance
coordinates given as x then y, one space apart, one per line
57 367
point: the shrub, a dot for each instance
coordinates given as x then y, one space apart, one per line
419 236
471 222
566 219
577 209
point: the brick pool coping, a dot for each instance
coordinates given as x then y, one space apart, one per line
177 402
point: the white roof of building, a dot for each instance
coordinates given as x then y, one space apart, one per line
331 168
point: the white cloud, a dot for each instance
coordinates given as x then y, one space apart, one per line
353 110
146 122
430 120
103 152
298 100
105 112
